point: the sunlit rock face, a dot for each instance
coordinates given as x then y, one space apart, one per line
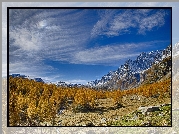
133 72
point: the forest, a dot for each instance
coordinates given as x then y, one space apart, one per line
31 103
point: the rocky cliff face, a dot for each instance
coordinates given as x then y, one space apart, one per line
147 66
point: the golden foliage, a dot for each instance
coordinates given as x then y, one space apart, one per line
33 102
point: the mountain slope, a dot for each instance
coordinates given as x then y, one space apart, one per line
133 73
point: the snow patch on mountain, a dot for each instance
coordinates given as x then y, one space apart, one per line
132 71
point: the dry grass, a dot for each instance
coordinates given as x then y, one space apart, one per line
106 112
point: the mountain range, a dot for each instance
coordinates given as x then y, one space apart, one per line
147 67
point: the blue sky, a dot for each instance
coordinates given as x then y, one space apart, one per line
77 46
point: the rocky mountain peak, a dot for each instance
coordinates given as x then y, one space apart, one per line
131 73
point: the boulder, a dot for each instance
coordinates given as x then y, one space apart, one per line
144 110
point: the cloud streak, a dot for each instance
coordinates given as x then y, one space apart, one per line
111 54
62 35
44 37
143 20
106 54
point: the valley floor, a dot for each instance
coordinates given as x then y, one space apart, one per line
106 113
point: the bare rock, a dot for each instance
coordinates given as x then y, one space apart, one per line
144 110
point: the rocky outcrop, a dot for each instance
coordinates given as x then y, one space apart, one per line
147 66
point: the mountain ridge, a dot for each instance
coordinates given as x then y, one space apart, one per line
133 72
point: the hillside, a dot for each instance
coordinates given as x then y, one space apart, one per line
133 73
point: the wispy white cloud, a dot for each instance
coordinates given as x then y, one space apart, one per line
62 36
111 54
30 67
44 37
154 20
112 24
35 70
54 35
101 26
24 39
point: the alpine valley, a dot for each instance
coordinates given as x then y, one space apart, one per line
137 94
